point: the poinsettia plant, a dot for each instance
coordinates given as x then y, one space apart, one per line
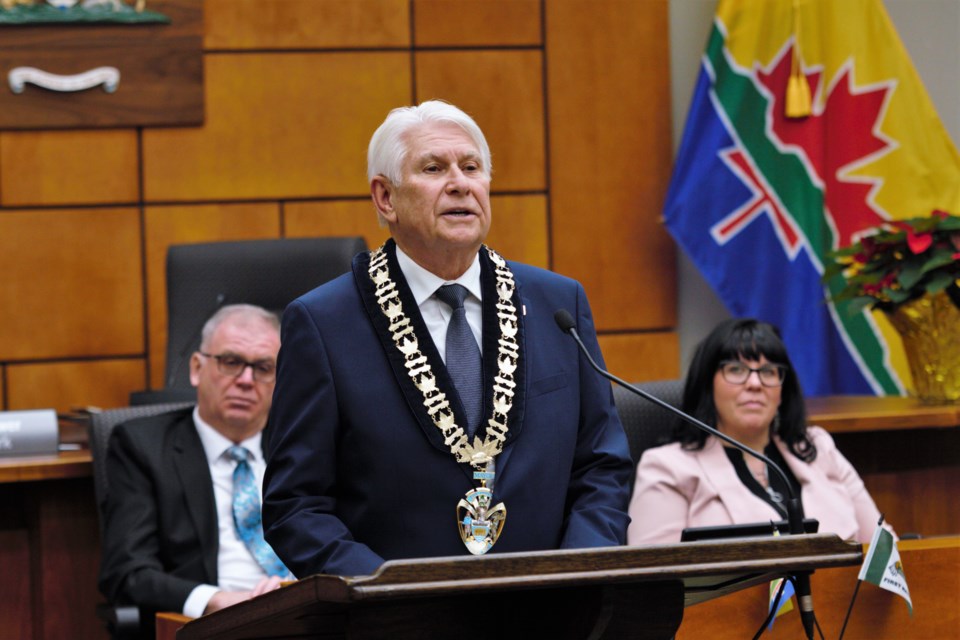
899 261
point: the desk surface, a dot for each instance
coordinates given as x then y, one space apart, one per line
66 464
837 414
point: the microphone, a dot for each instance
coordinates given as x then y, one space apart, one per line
220 299
794 508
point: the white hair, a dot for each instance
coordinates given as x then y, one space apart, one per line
243 312
388 148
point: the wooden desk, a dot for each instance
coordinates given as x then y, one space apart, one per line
908 454
49 548
168 623
932 568
852 414
65 465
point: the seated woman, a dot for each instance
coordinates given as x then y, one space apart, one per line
741 382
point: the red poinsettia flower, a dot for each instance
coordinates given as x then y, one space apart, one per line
898 261
918 242
867 246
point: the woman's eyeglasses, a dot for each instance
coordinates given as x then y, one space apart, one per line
736 372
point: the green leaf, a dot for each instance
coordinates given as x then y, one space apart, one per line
924 225
845 252
940 258
831 270
939 282
911 274
896 295
950 224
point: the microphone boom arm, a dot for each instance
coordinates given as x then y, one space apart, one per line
794 507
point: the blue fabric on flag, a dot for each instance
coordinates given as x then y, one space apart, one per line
788 592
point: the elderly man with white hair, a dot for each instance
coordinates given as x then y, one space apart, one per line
427 404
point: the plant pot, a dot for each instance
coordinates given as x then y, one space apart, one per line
930 330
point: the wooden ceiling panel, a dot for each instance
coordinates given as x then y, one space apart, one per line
494 22
185 225
306 24
62 385
610 156
71 283
278 125
42 168
503 91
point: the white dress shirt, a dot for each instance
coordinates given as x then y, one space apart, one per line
237 570
436 315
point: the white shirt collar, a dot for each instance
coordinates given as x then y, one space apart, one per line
424 284
215 443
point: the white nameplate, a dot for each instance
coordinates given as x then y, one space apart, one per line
28 433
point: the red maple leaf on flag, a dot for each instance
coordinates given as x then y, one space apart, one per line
835 140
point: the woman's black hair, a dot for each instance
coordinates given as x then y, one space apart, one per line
747 339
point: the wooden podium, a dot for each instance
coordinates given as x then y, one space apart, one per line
613 592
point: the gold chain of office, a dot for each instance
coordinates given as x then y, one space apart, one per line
478 452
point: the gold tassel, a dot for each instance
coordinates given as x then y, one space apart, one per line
798 97
797 101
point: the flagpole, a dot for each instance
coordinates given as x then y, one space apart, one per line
850 609
855 592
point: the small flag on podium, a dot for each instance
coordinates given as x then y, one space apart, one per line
882 565
784 603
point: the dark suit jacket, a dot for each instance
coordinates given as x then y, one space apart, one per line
356 472
160 536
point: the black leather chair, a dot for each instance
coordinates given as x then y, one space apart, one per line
122 621
201 278
646 423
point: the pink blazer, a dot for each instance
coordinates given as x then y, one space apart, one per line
676 488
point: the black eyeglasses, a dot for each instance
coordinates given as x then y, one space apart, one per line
230 365
736 372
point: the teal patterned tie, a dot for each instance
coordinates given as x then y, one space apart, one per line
246 514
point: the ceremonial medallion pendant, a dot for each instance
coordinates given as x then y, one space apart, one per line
480 524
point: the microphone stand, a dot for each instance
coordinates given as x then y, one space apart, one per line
795 514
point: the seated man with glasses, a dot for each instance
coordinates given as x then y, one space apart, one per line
182 527
741 382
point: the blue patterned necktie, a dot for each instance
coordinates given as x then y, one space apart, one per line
463 355
246 514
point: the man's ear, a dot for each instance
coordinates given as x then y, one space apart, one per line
382 192
195 369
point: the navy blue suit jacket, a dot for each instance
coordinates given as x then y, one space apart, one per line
357 474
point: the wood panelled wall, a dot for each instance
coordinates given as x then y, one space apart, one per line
572 94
